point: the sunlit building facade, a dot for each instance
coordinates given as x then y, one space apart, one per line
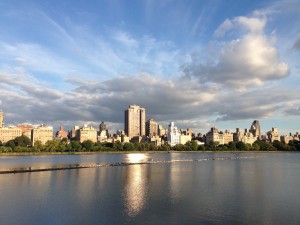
151 128
9 133
173 135
41 133
87 133
135 121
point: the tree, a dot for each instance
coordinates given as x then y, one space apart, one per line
191 145
75 145
265 146
212 146
38 146
52 146
232 146
118 146
128 146
88 145
201 148
164 147
10 144
179 147
22 141
241 146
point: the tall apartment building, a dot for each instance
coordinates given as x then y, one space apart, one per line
273 135
9 133
255 129
247 137
215 136
41 133
1 119
151 128
162 131
173 135
87 133
135 121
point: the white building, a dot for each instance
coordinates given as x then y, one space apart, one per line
173 135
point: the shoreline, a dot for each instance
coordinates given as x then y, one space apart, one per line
129 152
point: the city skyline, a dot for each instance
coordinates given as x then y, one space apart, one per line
198 64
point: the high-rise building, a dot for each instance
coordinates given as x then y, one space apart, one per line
247 137
151 128
41 133
255 129
135 121
1 119
102 126
87 133
173 135
273 135
9 133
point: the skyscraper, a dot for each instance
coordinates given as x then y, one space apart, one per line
135 121
102 126
151 128
255 129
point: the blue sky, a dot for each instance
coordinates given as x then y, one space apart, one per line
198 63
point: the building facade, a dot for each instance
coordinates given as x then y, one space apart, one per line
255 129
135 121
41 133
173 135
246 136
151 128
273 135
9 133
61 133
26 129
87 133
184 138
214 136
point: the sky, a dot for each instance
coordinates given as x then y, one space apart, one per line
198 63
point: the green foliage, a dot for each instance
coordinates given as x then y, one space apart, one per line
241 146
4 149
164 147
10 144
265 146
179 147
118 146
231 146
38 146
128 147
75 146
201 147
294 145
22 141
191 146
88 145
212 146
52 146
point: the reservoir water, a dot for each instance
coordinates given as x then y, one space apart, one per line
158 188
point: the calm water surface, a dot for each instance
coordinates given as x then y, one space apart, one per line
243 188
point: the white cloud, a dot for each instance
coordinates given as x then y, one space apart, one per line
250 60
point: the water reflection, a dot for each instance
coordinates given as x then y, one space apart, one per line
135 191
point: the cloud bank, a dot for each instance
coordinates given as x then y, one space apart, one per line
249 60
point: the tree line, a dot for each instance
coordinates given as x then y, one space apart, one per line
23 144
